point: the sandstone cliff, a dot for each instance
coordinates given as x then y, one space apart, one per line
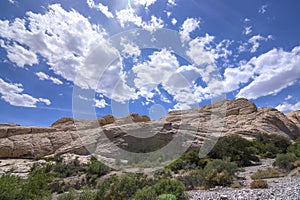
136 133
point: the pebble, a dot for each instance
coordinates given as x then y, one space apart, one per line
284 188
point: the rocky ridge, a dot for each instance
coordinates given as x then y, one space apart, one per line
68 135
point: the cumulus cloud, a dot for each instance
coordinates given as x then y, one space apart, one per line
247 30
128 15
263 9
171 2
174 21
253 43
287 107
145 3
19 55
13 94
103 9
272 72
43 76
129 48
188 26
100 103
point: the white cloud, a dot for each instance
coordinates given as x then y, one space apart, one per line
43 76
188 26
247 30
145 3
174 21
12 1
286 107
234 77
19 55
12 94
255 41
172 2
154 24
128 15
100 7
129 48
263 9
63 37
272 72
288 97
247 20
100 103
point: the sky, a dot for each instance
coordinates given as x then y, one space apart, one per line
90 58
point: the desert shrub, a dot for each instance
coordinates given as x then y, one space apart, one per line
189 160
167 197
236 149
269 146
147 193
67 196
193 179
268 173
34 187
97 167
258 184
62 170
296 163
124 187
295 148
10 187
163 186
87 194
285 161
219 172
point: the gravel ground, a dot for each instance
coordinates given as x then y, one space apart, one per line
285 188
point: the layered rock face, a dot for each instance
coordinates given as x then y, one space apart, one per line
136 133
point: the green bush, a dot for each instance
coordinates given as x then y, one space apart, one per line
236 149
285 161
163 186
259 184
123 187
167 197
193 179
269 146
34 187
87 194
96 167
295 148
268 173
219 172
147 193
67 196
11 187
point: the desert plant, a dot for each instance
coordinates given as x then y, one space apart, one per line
258 184
219 172
68 195
268 173
167 197
295 148
285 161
269 146
236 149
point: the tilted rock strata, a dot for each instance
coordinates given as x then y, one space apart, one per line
198 124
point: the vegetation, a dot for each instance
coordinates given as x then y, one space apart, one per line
259 184
268 173
268 146
285 161
218 168
235 149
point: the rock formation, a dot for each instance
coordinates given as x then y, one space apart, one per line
137 133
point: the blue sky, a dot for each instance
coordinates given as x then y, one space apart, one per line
52 56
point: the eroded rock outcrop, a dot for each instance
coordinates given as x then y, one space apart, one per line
137 133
